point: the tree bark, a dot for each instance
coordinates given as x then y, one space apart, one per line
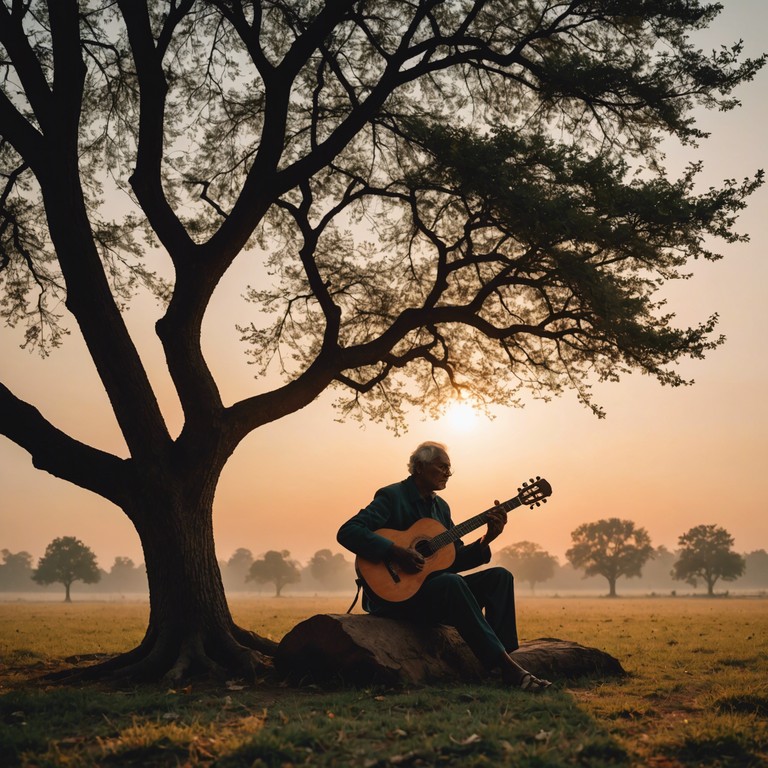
368 649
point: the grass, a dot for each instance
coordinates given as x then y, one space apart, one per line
696 695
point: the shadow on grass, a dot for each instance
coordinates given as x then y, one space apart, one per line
445 726
273 726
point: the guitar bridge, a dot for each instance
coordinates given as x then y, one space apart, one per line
392 572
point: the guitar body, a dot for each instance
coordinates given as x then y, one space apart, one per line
387 581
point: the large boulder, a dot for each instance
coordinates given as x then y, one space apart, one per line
365 649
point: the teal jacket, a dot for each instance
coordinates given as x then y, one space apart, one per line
399 506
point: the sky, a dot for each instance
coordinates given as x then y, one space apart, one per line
666 458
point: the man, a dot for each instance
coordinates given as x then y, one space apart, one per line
444 597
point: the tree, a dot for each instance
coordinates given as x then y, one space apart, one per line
16 570
528 562
610 548
705 553
67 560
236 569
331 570
125 576
756 568
446 198
275 567
656 575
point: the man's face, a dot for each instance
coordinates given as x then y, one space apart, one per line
435 474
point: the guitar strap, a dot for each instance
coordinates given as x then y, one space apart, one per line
359 583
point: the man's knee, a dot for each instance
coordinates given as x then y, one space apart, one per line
450 582
449 587
497 576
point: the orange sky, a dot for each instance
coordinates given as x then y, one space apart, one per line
666 458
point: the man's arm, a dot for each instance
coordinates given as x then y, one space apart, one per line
479 553
359 535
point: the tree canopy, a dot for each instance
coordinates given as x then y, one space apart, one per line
706 552
464 192
610 548
434 198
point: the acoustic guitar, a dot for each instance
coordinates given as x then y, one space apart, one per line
435 544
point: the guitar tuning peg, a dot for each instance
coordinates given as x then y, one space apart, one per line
531 480
519 490
538 477
543 501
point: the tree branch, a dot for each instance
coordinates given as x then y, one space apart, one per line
146 179
55 452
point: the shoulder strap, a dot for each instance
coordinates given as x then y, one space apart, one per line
359 583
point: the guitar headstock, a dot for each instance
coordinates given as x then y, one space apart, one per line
534 492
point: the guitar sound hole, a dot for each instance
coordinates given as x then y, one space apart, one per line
423 548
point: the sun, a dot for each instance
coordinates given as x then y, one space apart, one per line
461 417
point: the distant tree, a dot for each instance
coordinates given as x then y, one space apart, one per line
706 553
331 570
610 548
275 567
756 570
125 575
16 570
656 575
65 561
528 562
236 569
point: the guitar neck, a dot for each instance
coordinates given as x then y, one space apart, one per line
461 530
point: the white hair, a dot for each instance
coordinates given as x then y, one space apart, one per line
425 453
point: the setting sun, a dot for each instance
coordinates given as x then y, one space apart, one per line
461 417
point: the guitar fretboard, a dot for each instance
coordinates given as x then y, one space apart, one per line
462 529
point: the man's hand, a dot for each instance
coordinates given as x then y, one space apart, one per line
497 519
408 559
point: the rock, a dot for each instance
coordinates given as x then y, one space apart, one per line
364 649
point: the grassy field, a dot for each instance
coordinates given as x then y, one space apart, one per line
696 695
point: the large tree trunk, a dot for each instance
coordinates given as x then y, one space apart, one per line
191 630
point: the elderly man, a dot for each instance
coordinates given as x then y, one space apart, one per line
444 597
